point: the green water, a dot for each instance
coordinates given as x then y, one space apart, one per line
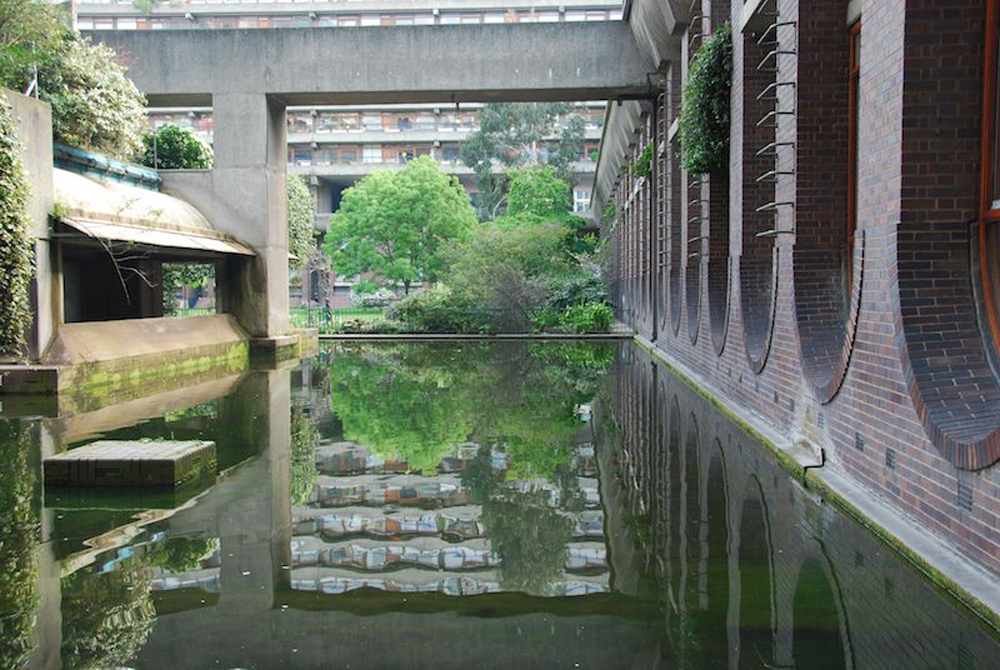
452 505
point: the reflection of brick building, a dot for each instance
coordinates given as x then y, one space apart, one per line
763 571
840 278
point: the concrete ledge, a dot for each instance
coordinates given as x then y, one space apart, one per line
955 575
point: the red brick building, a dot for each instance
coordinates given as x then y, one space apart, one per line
842 280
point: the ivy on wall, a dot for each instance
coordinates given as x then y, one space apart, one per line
704 118
16 242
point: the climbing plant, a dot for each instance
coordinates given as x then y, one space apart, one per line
704 118
301 220
16 264
644 164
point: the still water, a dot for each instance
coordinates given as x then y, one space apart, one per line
451 505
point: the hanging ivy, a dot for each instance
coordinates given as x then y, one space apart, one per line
644 164
704 118
16 243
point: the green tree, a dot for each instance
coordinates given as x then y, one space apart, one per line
512 135
301 221
395 224
94 105
171 147
16 239
177 275
31 36
504 268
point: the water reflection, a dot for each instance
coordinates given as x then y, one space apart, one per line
452 505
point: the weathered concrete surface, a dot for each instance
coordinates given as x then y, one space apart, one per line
129 463
100 341
462 63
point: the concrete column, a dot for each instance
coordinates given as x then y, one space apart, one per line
249 180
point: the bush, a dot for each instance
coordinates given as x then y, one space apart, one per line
704 119
372 327
372 299
171 147
593 317
440 310
576 289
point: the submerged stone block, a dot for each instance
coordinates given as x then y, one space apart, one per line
131 463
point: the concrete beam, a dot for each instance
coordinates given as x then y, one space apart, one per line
372 65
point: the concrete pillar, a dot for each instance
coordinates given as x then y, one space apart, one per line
249 180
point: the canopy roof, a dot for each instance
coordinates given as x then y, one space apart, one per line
112 210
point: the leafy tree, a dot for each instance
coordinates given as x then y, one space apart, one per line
16 239
394 224
504 269
538 195
31 36
510 135
301 221
171 147
94 105
177 275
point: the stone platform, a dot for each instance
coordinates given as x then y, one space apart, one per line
131 463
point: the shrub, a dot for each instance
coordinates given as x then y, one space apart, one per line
16 239
440 310
171 147
575 289
593 317
378 298
704 118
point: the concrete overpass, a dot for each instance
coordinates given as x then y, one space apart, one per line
249 77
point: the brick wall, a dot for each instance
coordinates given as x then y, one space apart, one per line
886 368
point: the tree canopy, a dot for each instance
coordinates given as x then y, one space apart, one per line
394 224
94 105
511 135
171 147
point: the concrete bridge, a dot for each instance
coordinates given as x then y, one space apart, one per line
249 77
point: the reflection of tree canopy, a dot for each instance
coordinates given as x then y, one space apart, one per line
530 537
178 554
305 437
416 401
18 537
106 617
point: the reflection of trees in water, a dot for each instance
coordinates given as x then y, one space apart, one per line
106 617
525 529
18 538
304 438
417 402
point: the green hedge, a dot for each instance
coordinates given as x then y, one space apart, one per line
16 243
704 118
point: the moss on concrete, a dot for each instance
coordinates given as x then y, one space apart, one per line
93 385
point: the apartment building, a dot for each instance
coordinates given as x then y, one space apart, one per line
333 147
